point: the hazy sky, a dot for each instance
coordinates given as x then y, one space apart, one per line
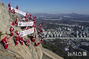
51 6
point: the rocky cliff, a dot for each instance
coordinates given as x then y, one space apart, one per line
19 51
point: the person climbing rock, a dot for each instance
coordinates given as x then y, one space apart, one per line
34 18
34 39
17 32
13 11
21 40
13 23
9 8
34 22
27 42
16 22
27 27
17 40
5 41
11 31
39 43
41 30
9 5
34 27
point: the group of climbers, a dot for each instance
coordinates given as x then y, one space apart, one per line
18 37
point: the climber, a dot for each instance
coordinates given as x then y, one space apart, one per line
27 27
39 43
30 16
13 11
26 19
16 22
9 5
21 40
41 30
34 18
36 44
27 42
5 41
27 14
34 27
13 23
17 7
39 26
17 40
10 8
34 39
17 32
34 22
11 31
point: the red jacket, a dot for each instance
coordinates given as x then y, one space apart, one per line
21 39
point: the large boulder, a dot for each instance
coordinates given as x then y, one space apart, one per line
19 51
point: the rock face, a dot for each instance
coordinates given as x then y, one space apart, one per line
4 18
19 51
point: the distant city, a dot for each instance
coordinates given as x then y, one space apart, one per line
72 29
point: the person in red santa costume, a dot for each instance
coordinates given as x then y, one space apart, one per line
34 39
37 44
34 27
27 42
13 11
9 5
18 37
17 40
11 31
21 40
13 23
5 41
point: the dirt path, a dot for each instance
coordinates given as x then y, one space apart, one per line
51 54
